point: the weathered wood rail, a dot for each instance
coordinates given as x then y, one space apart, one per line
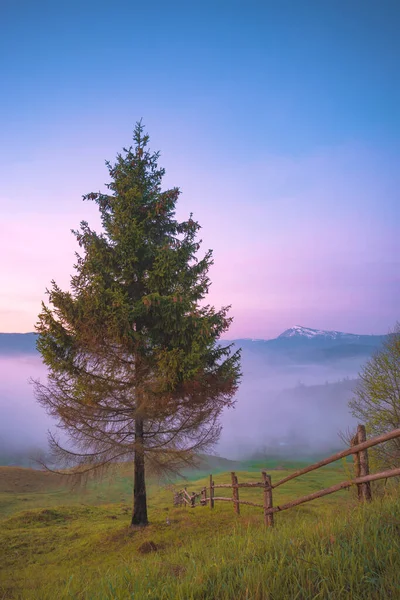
358 448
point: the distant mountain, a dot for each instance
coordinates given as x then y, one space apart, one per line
12 344
304 345
297 331
297 344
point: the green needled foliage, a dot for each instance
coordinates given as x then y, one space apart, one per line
135 367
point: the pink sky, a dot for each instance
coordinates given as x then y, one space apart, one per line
304 240
279 123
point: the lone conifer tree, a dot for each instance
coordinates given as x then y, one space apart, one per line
135 369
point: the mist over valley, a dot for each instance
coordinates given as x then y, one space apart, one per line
293 396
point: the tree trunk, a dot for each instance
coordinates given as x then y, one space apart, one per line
139 516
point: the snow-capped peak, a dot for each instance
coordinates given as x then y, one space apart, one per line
307 332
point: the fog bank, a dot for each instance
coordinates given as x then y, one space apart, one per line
278 409
23 423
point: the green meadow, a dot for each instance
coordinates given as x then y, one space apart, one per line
63 543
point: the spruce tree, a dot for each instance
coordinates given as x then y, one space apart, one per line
135 367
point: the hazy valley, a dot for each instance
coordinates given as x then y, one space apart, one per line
293 395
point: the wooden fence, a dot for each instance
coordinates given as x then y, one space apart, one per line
358 448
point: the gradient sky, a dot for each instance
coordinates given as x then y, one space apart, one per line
279 121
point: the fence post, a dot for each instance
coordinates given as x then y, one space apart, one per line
192 500
211 492
356 458
365 488
268 517
235 493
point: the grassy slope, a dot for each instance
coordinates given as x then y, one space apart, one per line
55 543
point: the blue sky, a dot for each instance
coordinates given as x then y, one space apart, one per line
279 121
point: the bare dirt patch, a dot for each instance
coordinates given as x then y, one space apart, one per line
18 480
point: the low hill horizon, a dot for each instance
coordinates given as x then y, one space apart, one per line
297 343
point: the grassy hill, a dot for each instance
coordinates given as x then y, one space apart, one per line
58 543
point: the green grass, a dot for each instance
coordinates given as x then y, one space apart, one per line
58 544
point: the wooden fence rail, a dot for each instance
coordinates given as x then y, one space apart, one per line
358 448
337 488
353 449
